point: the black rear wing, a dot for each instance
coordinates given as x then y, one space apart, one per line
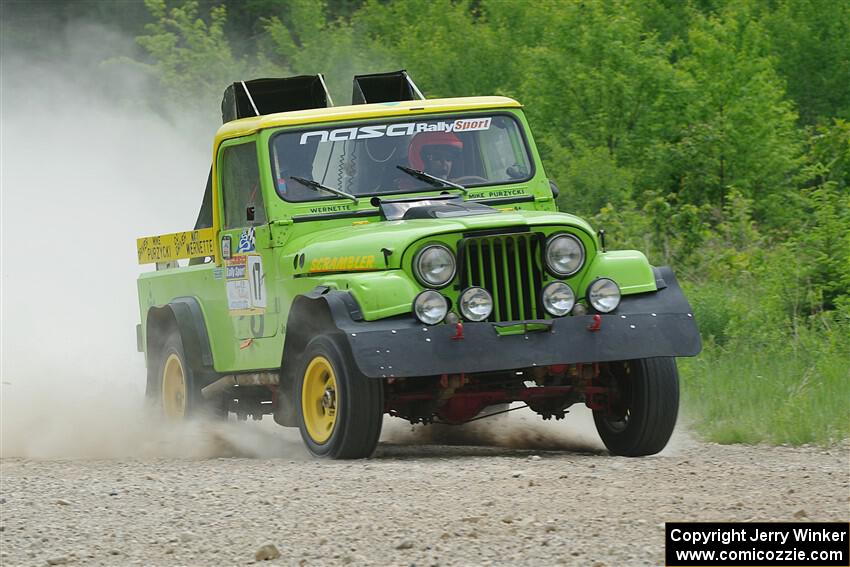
385 87
268 96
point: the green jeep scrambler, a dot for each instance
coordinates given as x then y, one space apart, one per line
401 256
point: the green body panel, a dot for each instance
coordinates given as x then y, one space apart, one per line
158 288
302 247
629 268
380 294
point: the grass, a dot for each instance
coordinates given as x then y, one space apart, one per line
791 389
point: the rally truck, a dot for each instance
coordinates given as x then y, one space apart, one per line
402 256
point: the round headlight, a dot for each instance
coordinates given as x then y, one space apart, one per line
434 266
558 298
476 304
604 295
430 307
564 255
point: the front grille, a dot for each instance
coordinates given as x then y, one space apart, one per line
509 267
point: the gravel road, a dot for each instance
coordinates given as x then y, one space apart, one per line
525 494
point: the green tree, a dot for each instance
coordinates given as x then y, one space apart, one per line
192 57
822 241
309 41
738 129
594 81
809 40
447 46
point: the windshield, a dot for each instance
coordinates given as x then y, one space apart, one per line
364 159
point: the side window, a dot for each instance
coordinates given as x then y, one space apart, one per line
506 158
240 187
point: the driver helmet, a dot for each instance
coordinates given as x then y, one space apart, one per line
424 142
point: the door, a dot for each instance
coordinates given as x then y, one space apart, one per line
247 259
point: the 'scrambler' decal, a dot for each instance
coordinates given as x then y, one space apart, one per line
342 264
403 129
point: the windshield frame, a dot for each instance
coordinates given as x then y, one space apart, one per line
520 125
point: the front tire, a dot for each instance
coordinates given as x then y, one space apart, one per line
341 411
641 419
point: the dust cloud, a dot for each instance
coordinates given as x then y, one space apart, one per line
87 165
523 430
518 429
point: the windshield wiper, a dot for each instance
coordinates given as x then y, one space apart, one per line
318 186
430 179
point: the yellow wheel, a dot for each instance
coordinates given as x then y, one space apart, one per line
319 399
175 384
174 390
341 410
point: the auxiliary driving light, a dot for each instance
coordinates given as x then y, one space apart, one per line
476 304
564 255
430 307
604 295
558 298
434 265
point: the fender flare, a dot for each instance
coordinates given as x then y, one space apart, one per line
321 311
184 314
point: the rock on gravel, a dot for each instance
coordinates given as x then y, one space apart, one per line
267 553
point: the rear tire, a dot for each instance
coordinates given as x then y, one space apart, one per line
645 415
340 410
176 388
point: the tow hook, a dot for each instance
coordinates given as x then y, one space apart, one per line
458 336
596 325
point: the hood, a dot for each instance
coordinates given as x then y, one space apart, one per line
380 245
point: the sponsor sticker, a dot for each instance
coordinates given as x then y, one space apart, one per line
176 246
497 193
238 295
226 246
236 267
398 129
246 284
331 209
470 124
257 281
246 241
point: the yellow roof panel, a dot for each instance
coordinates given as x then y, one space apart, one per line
246 126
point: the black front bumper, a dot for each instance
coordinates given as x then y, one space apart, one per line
653 324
